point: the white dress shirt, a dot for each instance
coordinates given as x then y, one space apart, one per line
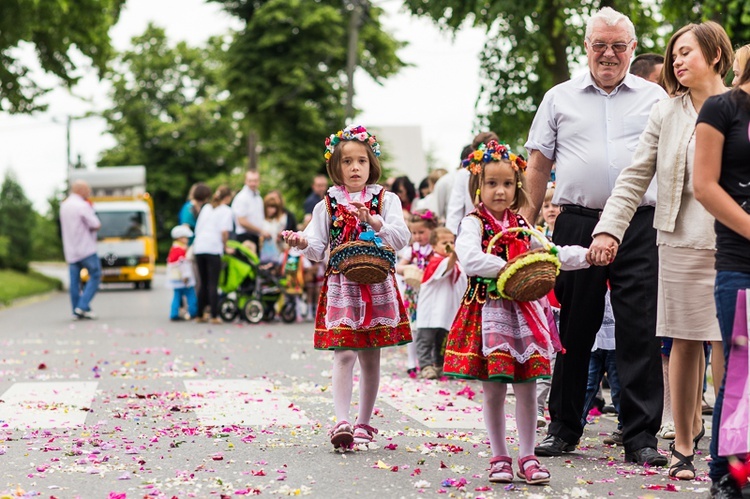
247 204
461 202
591 136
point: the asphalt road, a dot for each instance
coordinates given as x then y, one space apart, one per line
133 405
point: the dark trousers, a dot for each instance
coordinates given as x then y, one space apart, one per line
430 346
209 268
633 280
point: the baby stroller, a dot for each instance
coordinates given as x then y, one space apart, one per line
250 290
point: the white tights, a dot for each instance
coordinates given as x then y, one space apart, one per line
494 416
343 383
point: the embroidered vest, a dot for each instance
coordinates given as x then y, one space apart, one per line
345 224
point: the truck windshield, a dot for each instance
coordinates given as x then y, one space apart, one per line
123 224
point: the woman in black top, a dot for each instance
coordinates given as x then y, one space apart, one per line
722 185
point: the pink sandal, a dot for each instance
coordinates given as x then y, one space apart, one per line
364 433
501 469
341 435
532 472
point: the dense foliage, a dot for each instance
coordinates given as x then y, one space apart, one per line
55 29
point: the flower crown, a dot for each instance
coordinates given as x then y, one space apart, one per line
352 132
492 151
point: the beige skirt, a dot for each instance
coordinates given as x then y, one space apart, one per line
686 307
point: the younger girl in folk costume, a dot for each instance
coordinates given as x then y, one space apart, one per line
492 339
355 320
421 225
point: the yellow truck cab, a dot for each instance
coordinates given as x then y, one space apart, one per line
127 239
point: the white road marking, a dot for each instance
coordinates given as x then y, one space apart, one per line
436 404
47 404
242 402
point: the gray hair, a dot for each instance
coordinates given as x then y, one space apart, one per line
610 17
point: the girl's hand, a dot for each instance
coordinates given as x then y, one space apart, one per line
294 239
363 213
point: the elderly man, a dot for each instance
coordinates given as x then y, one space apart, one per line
589 127
247 207
79 225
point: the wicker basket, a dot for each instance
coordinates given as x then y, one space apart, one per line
363 262
531 275
413 276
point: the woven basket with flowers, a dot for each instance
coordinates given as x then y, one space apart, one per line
364 261
530 275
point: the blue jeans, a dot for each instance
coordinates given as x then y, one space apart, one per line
602 361
725 294
83 299
192 302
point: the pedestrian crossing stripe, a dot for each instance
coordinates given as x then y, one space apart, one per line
46 405
434 404
242 402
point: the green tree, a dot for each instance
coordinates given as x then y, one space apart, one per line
531 46
733 15
172 114
54 28
287 72
17 220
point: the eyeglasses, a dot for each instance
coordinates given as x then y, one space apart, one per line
618 48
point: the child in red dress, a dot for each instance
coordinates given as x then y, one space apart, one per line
496 340
355 320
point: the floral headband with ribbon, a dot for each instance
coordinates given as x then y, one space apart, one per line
352 132
492 151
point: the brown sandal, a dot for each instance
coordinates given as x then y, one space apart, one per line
364 433
341 435
534 468
502 467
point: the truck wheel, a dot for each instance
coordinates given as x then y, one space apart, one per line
253 311
146 284
228 309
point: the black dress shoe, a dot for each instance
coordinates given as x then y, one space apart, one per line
726 488
646 455
553 446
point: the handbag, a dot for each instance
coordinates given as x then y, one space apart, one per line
734 432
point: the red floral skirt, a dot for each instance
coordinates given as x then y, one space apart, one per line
464 357
347 338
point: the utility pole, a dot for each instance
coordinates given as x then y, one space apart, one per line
355 22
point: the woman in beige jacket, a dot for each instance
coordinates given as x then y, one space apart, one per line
697 59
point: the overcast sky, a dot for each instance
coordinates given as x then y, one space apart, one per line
438 93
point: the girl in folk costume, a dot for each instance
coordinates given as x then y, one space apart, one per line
421 225
355 320
492 339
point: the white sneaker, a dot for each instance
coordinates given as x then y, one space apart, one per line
541 421
84 314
